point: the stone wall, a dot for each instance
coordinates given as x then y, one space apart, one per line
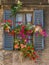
13 58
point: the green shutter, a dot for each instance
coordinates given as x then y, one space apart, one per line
38 19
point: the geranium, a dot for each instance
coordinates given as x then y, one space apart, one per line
23 27
13 32
22 46
23 32
28 48
19 23
43 33
9 21
16 46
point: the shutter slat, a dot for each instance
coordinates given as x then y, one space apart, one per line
38 40
8 39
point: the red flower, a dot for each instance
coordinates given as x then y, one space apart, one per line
28 55
28 48
23 26
9 21
19 23
32 48
36 54
33 58
12 32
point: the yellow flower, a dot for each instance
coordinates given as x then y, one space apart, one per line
19 2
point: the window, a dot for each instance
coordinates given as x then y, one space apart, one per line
35 17
24 18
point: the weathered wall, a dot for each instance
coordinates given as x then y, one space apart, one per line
35 1
12 58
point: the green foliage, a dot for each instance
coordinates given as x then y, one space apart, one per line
16 7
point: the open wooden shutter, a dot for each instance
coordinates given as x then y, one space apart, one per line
8 39
38 19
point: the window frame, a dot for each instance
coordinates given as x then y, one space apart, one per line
24 13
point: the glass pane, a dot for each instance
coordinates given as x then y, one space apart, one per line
23 19
29 17
30 39
29 20
20 19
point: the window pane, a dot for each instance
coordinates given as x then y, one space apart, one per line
20 19
24 18
29 17
29 20
30 39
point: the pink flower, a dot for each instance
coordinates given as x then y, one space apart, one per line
43 33
16 46
37 33
19 23
23 26
25 40
22 45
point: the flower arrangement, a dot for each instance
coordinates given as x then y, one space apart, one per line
21 41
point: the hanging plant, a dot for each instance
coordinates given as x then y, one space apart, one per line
16 7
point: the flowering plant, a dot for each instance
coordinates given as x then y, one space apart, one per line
15 8
28 50
22 33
